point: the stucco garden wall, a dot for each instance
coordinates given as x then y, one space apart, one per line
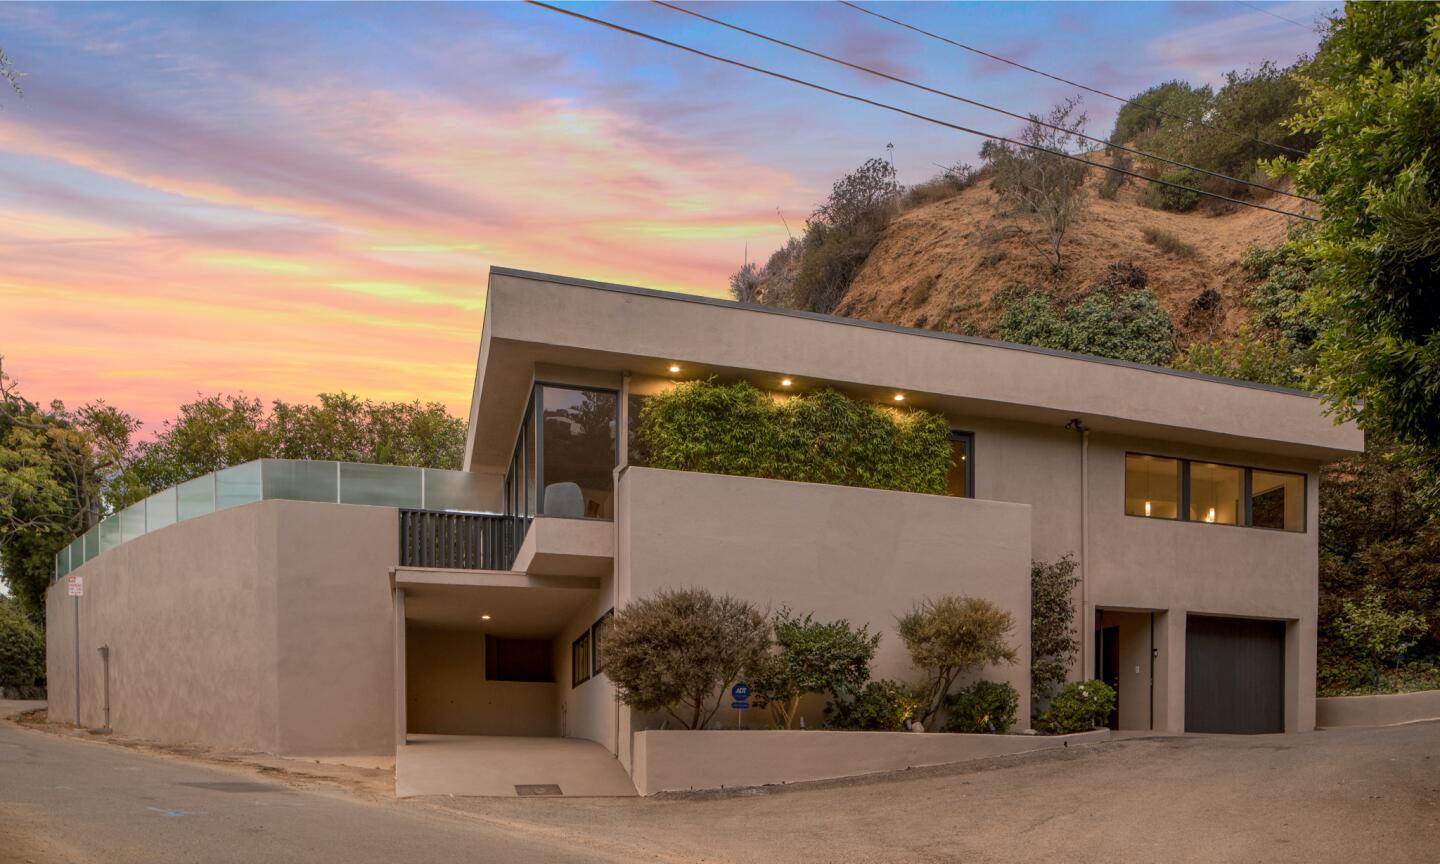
1379 710
863 554
261 627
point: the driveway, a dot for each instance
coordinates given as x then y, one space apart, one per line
1362 794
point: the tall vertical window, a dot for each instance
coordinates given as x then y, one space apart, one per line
577 451
1277 500
960 482
1215 493
1152 486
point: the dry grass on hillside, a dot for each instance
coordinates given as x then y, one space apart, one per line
939 265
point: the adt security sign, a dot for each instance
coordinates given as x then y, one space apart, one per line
741 694
76 584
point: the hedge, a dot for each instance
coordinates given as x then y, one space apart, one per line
818 437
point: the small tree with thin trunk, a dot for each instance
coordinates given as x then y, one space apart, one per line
1044 187
950 636
679 650
813 657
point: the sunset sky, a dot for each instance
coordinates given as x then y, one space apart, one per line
289 199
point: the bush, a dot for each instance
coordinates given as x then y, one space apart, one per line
745 283
1079 707
820 437
1167 242
841 233
22 648
883 706
814 657
1162 197
1374 634
952 182
1120 318
950 636
1052 626
985 706
678 651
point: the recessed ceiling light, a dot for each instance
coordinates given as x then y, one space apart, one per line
786 383
899 397
484 617
674 367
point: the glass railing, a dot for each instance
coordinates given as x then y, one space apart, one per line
281 479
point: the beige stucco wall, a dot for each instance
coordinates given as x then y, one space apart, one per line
447 694
262 627
863 554
1134 678
588 711
1380 710
671 761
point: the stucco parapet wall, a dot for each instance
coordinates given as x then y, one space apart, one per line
558 546
533 318
1387 709
685 760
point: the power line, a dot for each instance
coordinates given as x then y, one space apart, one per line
1274 14
908 113
958 98
1162 112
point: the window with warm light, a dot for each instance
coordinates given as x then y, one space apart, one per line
1152 486
960 481
1215 493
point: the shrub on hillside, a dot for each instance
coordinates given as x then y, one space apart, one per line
950 636
819 437
679 650
1167 242
812 657
883 706
985 706
1176 192
1119 318
1079 707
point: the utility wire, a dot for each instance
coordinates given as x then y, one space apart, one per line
958 98
1274 15
1162 112
908 113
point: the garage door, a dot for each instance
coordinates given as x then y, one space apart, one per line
1234 675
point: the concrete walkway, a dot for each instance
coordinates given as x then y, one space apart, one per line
504 767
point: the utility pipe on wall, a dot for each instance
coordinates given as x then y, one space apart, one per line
1085 631
105 664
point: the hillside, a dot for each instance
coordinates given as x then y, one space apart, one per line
939 265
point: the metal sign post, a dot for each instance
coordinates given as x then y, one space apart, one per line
741 694
76 586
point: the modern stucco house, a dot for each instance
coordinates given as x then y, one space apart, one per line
322 608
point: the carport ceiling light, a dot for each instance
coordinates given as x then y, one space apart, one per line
484 617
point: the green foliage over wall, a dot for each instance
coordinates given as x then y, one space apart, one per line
812 657
22 649
1053 642
819 437
883 706
986 707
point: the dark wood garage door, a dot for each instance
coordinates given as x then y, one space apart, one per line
1234 675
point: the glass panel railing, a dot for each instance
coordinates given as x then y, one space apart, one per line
238 485
161 510
455 490
195 497
381 485
396 486
294 480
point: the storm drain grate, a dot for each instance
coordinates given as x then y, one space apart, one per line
532 789
236 787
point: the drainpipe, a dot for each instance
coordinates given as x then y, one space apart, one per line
624 462
1085 634
105 663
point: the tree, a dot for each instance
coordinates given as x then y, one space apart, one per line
57 470
1043 186
10 74
1052 626
679 650
22 649
950 636
841 232
1375 634
1372 98
745 283
813 657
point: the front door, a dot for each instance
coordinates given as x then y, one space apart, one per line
1109 671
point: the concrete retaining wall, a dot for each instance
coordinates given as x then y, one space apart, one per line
681 760
1379 710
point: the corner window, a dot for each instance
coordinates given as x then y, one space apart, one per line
577 452
960 482
1152 486
1277 500
1215 493
580 660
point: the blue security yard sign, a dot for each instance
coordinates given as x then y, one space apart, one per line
741 694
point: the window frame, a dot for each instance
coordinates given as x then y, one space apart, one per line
517 497
1245 519
969 439
1182 503
597 663
580 672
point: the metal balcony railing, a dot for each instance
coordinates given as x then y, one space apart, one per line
460 541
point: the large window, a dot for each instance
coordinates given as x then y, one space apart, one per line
960 482
565 454
1152 486
1215 493
1164 488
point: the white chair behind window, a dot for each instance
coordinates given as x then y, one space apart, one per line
564 499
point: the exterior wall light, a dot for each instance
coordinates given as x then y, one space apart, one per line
484 617
1147 508
674 367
